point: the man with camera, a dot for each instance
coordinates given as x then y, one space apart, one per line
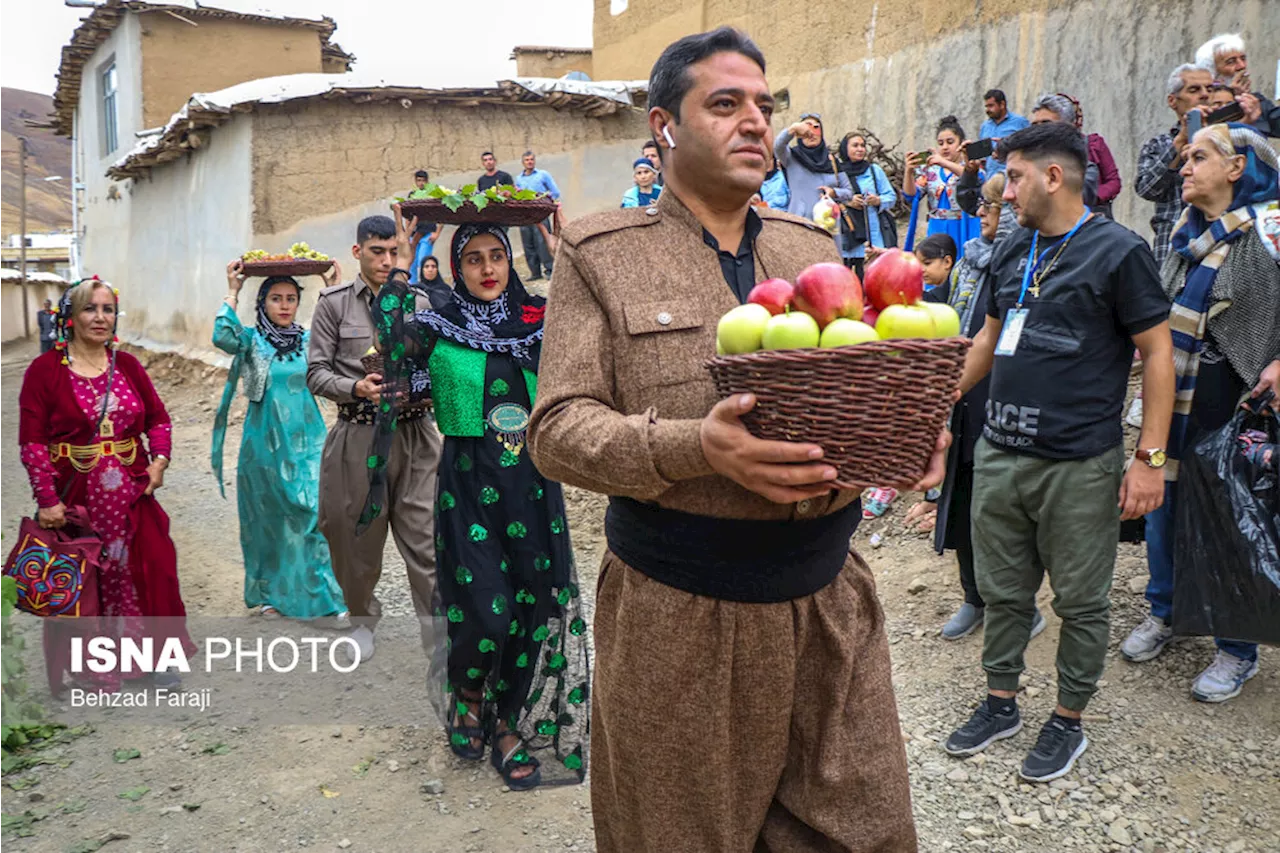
1225 58
1160 160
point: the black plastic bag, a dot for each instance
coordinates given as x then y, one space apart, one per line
1227 544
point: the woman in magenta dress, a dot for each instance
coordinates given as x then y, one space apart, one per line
85 412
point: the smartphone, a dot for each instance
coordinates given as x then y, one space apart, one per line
1195 121
1231 112
979 150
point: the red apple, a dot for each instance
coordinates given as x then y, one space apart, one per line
870 315
895 278
828 291
776 294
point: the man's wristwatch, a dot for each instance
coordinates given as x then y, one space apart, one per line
1155 457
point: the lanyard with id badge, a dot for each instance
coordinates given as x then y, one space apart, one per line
1016 317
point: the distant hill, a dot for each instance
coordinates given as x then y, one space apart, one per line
48 202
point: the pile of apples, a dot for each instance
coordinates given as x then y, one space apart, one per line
826 308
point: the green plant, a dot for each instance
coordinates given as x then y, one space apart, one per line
454 199
19 715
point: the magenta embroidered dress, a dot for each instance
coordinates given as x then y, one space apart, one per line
137 571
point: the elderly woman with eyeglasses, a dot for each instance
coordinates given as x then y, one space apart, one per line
1223 275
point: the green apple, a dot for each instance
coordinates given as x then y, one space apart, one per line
843 332
905 321
792 330
741 329
945 319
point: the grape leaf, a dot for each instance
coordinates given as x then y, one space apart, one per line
133 794
526 195
453 202
469 189
437 191
120 756
398 199
480 201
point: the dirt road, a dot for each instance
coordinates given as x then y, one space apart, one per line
1163 773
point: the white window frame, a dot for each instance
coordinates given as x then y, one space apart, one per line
108 76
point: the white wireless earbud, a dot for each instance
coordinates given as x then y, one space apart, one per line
667 135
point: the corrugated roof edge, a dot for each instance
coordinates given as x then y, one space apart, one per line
187 130
105 17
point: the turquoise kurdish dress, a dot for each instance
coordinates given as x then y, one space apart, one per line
286 558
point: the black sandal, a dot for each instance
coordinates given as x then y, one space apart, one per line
461 737
505 765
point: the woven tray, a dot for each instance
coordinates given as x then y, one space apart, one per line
293 268
510 212
373 363
875 409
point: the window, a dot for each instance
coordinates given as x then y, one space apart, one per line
110 118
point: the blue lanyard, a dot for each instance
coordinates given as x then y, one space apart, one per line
1034 263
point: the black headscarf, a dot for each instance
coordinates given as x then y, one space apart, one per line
510 324
287 340
408 332
852 168
816 159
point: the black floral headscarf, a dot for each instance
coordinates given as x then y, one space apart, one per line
408 332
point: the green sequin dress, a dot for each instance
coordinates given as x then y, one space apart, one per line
508 590
506 579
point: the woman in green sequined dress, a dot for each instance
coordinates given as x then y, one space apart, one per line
517 670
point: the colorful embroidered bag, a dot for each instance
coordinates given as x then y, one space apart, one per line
56 570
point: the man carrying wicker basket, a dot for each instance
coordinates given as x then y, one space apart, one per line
742 696
1072 294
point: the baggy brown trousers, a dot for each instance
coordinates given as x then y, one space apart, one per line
411 493
723 727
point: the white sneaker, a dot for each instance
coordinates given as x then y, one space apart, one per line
364 640
1224 678
1147 640
1134 416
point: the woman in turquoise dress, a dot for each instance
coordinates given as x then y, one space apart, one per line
286 559
517 673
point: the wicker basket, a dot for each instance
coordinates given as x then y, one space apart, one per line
290 268
510 212
875 408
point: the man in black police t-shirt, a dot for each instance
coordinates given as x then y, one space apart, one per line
1073 294
493 176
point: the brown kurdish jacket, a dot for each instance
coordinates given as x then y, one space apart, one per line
631 321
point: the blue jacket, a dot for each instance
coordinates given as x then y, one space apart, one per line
775 191
631 198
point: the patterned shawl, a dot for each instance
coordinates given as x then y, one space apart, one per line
1201 249
287 340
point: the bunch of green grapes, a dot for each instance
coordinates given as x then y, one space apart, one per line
304 252
255 255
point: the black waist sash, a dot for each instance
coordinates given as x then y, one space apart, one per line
731 559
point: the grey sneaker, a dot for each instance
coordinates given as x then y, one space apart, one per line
1038 625
1147 640
963 623
1224 678
1055 752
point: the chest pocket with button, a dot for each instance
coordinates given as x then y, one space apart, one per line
667 343
354 340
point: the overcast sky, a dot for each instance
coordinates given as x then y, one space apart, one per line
408 42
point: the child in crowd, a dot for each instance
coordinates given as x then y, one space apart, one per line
937 253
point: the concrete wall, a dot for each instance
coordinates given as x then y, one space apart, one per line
897 68
11 314
552 63
106 216
320 157
187 221
179 59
